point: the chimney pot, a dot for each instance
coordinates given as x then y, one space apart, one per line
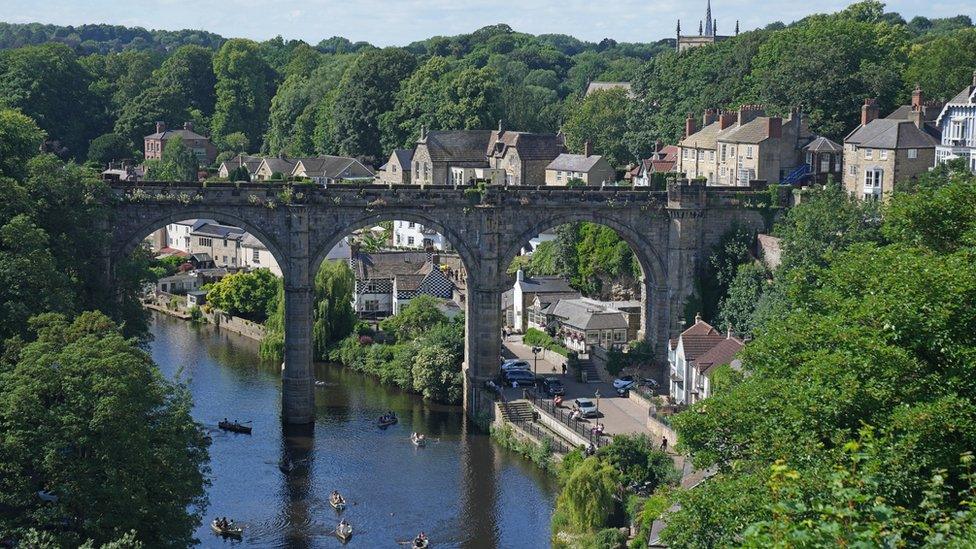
160 127
587 148
917 97
710 116
869 111
727 119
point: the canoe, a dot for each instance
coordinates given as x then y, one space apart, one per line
338 506
344 532
418 442
234 427
232 531
387 423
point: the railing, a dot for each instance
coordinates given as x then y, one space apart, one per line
580 427
557 445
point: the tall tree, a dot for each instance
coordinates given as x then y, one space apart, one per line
334 318
87 417
244 88
601 118
19 140
178 163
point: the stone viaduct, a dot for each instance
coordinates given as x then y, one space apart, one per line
670 232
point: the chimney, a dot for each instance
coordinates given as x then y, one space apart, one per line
658 145
587 148
160 127
689 125
774 127
748 113
423 131
726 119
710 116
188 126
519 275
918 116
869 111
917 97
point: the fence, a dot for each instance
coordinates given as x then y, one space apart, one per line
580 427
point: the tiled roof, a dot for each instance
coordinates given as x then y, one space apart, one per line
219 231
282 165
904 112
332 167
251 241
388 264
574 162
886 133
457 146
530 146
546 284
699 339
589 314
408 281
404 157
965 97
822 144
722 353
250 162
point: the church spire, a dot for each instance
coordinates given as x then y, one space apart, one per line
709 29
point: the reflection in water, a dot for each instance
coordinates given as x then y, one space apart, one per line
460 489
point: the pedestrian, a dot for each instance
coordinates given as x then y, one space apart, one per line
564 368
664 444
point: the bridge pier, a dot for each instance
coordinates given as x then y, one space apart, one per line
297 383
482 348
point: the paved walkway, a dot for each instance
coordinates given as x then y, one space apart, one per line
619 415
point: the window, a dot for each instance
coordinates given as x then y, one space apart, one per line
559 175
225 260
749 151
256 256
684 153
711 156
912 154
873 180
722 151
852 169
957 128
410 224
883 154
409 241
868 154
371 305
206 241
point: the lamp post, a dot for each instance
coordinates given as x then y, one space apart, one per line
597 395
535 363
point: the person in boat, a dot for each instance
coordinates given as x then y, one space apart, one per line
420 539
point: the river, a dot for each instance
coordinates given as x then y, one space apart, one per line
462 490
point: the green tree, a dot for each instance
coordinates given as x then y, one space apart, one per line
437 374
601 118
244 87
108 148
334 318
190 69
32 80
418 316
587 502
88 417
638 461
245 294
156 104
19 140
366 91
237 142
178 163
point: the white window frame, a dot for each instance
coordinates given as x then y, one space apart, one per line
912 154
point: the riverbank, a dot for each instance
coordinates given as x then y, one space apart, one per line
177 308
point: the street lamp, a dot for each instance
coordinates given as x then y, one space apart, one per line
597 395
535 363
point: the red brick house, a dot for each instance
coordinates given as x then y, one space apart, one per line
201 146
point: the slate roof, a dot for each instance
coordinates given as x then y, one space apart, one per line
546 284
530 146
589 314
332 167
408 281
251 241
283 165
574 162
822 144
405 158
456 146
250 162
705 138
219 231
904 112
388 264
965 97
887 133
722 353
180 132
699 339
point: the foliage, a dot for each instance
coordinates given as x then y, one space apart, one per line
107 148
587 501
334 318
639 461
245 294
178 163
243 90
537 338
87 416
416 318
944 65
539 453
19 140
601 118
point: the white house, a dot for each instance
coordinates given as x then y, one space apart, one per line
387 281
548 288
958 124
692 358
255 255
407 234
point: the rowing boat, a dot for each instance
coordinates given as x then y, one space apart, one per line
344 531
421 543
337 505
230 531
418 440
234 427
387 422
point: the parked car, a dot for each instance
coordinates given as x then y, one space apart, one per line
624 382
552 386
515 364
521 378
586 407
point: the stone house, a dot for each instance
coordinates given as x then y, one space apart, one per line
663 160
591 168
883 152
523 156
438 151
201 146
698 159
325 170
759 147
594 87
525 290
825 159
693 356
957 125
250 163
397 169
582 323
274 165
221 242
255 255
179 284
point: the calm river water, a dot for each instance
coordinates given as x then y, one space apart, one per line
461 489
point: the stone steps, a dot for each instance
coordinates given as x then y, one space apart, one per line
586 365
517 411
